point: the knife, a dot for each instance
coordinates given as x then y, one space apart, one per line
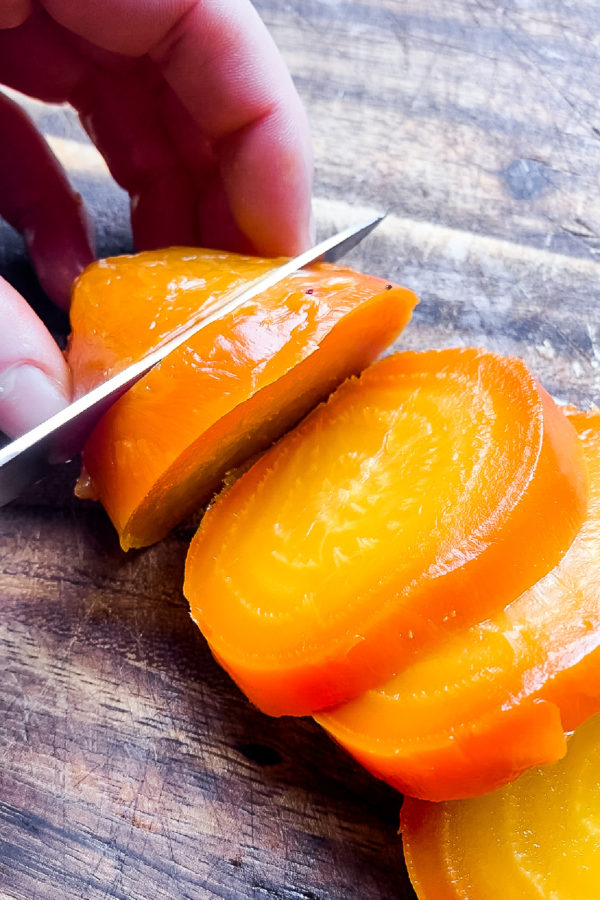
29 457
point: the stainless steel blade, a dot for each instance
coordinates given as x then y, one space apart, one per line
27 458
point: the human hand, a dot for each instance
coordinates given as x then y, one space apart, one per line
197 117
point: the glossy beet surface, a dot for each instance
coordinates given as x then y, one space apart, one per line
164 448
537 837
422 497
496 698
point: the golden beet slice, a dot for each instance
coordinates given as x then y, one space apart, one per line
536 837
492 700
164 447
420 498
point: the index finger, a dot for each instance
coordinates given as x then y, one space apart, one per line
223 65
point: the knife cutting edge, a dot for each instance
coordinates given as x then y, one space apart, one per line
27 458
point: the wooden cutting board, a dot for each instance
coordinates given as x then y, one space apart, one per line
131 766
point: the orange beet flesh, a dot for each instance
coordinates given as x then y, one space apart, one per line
164 447
536 837
385 519
495 699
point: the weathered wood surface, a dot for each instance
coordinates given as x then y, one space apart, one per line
131 766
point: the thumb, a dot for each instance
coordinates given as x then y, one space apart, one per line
34 377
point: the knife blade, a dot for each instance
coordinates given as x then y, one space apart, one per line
27 458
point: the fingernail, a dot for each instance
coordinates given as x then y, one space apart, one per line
27 397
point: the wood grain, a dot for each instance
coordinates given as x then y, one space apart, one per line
131 766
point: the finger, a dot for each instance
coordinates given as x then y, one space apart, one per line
173 188
242 95
34 378
39 59
222 64
36 198
121 113
14 12
215 223
265 168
